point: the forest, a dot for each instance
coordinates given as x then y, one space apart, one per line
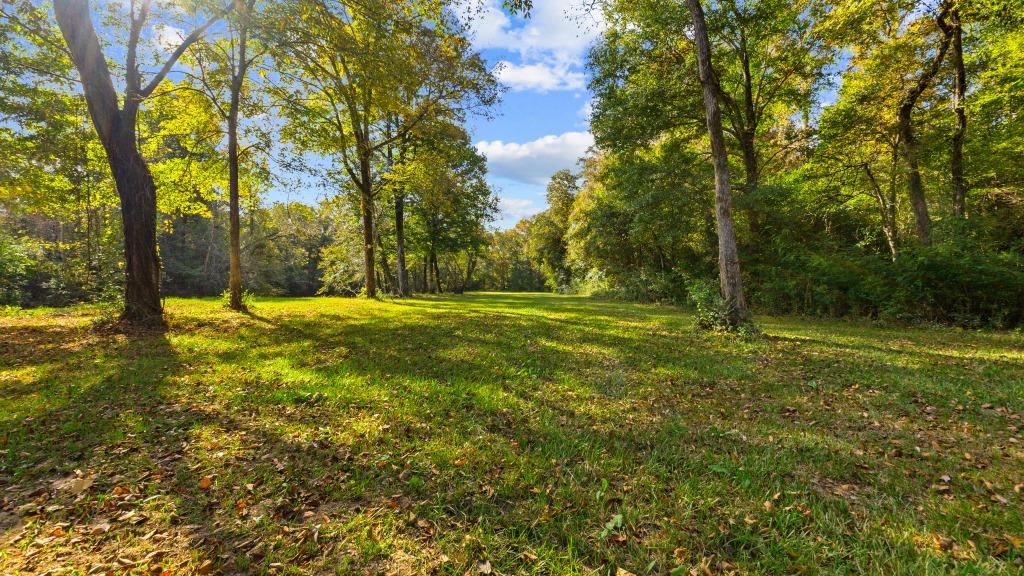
264 310
873 153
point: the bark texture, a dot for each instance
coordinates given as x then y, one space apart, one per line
956 162
728 257
132 178
403 271
908 140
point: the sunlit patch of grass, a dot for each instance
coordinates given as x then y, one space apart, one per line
537 434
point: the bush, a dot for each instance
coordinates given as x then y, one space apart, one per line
16 265
711 309
945 283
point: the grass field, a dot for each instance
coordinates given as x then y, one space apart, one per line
504 434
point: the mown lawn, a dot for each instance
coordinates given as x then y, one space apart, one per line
505 434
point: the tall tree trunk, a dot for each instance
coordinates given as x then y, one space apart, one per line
403 272
470 269
238 74
960 133
132 178
728 258
908 141
137 192
235 248
366 207
116 130
435 272
747 140
752 179
915 184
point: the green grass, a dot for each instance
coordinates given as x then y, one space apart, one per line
540 434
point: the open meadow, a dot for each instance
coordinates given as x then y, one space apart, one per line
504 434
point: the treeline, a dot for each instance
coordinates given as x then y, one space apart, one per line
141 141
876 151
820 157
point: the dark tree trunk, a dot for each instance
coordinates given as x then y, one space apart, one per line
915 184
403 272
435 288
137 191
470 269
728 257
366 206
134 183
747 140
960 133
908 141
235 249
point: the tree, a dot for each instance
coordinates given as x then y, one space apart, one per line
224 68
115 124
731 283
548 230
451 207
360 65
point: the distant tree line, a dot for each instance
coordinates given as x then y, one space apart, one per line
839 158
900 198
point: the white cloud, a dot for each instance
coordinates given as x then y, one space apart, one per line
564 27
515 209
167 37
550 44
534 162
540 77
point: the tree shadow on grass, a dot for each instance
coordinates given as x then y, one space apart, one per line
475 435
481 387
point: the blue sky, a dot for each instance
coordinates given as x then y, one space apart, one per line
541 125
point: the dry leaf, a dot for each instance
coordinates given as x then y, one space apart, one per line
484 567
74 484
942 543
205 482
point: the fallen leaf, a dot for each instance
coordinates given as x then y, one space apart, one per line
205 482
484 567
942 543
74 484
768 506
205 567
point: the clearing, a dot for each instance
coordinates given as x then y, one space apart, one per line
504 434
